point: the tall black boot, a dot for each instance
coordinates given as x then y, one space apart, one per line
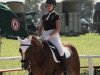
63 62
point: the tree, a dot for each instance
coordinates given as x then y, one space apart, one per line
31 4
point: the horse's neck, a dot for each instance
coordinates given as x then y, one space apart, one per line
42 51
42 56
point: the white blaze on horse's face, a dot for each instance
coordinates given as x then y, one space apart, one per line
24 44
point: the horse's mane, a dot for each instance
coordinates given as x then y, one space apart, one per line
37 40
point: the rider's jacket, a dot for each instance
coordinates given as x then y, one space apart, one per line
49 20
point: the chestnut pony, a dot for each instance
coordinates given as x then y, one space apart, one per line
38 55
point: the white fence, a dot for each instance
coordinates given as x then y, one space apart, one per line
10 58
90 62
89 57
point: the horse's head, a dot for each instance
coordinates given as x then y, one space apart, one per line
28 47
25 46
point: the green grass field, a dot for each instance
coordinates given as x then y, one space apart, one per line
88 44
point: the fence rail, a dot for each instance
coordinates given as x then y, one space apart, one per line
89 57
10 58
90 62
14 69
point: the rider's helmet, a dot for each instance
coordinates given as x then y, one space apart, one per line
51 2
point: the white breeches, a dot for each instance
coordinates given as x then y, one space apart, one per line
55 40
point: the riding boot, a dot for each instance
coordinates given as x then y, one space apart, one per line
63 62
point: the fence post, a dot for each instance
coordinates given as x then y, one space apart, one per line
90 64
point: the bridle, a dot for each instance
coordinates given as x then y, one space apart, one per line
30 46
26 45
28 62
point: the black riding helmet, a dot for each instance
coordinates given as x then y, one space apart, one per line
51 2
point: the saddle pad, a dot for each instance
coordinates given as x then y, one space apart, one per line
55 52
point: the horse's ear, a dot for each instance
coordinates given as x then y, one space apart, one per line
19 39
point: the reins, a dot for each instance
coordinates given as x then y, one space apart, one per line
25 45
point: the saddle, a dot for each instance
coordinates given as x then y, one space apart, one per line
61 59
55 53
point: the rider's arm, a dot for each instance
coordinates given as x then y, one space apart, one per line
41 28
58 27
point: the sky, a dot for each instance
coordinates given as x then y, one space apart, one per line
97 0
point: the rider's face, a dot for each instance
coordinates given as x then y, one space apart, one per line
50 7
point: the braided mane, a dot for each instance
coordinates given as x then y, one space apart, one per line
37 40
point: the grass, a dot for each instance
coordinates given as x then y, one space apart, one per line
88 44
9 47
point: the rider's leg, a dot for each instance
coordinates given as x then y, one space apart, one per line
57 42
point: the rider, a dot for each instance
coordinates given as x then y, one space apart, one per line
50 27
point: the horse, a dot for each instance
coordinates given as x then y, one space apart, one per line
38 55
